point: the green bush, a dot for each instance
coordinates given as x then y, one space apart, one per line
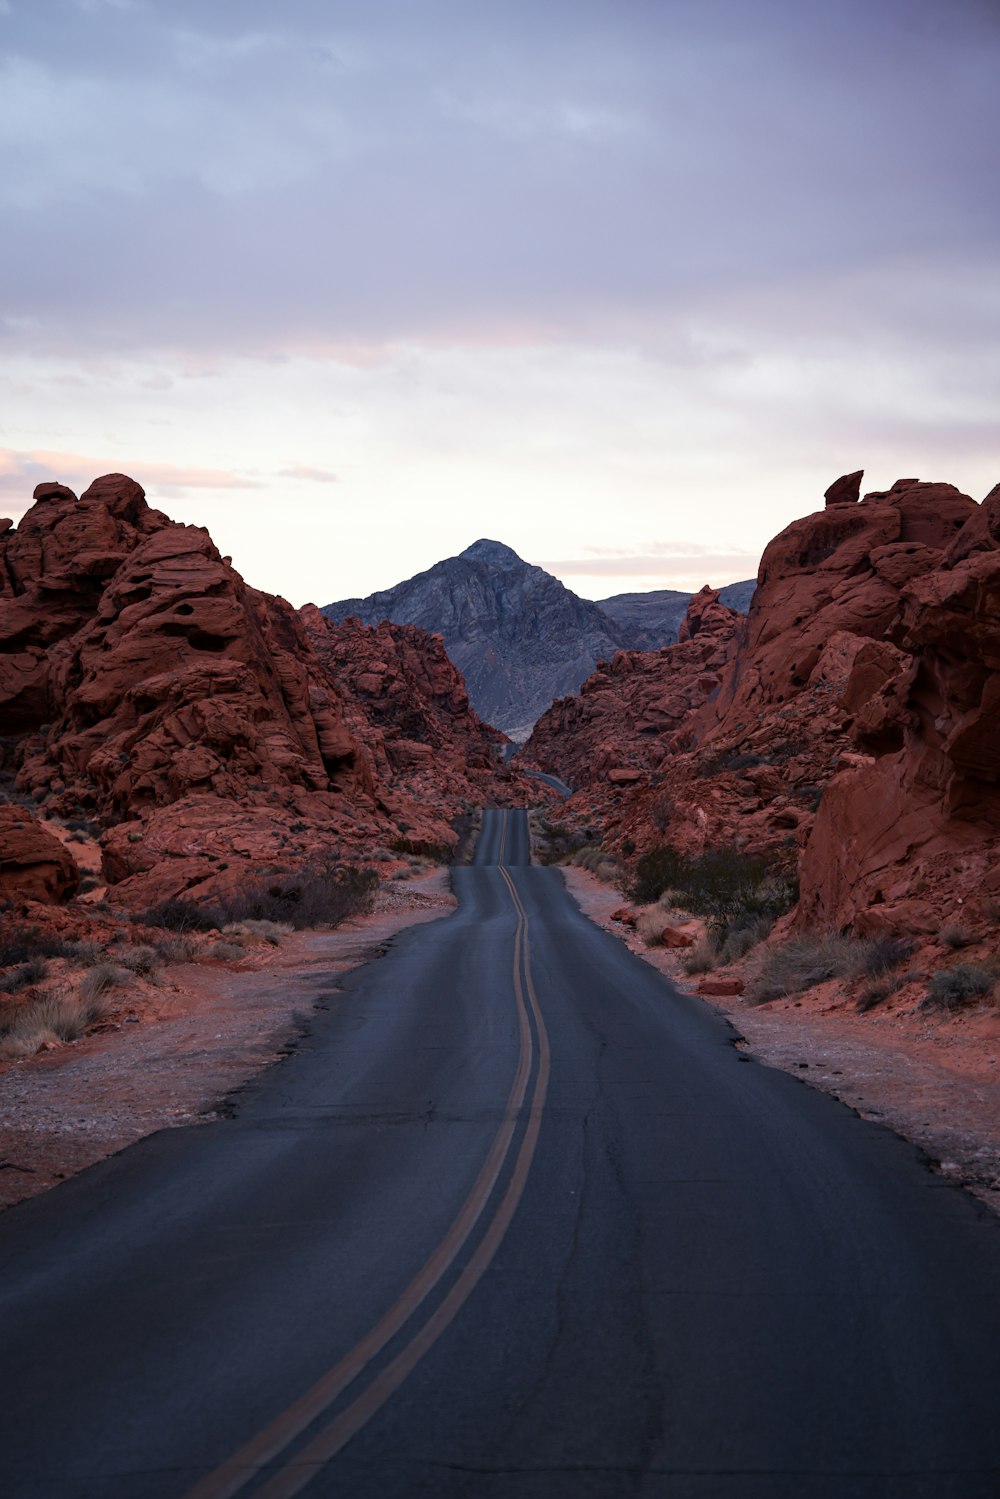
558 841
318 895
725 884
180 915
951 988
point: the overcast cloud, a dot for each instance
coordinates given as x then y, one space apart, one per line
411 272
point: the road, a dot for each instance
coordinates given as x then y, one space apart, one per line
516 1219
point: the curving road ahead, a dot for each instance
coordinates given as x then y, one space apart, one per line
517 1219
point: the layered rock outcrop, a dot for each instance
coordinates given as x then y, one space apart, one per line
628 711
34 865
142 681
854 727
912 838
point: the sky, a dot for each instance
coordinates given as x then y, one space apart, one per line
624 284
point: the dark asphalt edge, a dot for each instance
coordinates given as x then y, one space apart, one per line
962 1181
287 1041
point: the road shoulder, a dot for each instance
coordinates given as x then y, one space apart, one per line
934 1082
198 1035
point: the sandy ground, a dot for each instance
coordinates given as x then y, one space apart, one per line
934 1080
176 1050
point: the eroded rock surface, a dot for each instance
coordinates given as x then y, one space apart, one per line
34 865
143 682
623 720
853 726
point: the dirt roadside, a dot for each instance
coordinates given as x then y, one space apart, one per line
194 1038
934 1080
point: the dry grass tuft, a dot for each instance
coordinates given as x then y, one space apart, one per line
100 979
267 931
225 952
49 1019
139 959
179 948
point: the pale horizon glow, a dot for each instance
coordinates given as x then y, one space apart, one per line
622 286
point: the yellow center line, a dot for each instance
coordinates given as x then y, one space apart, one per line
245 1464
503 838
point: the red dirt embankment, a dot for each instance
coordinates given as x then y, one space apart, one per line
169 1053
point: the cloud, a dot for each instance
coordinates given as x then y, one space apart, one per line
21 471
657 563
240 179
306 471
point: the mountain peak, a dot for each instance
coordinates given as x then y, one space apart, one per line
493 552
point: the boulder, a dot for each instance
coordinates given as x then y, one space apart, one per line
720 988
846 490
34 865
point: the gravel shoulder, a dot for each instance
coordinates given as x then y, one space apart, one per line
187 1043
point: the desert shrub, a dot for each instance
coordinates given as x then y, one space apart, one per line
951 988
225 952
741 935
180 948
649 925
268 931
318 895
437 853
955 937
180 915
31 972
701 958
139 959
99 980
802 962
51 1017
661 811
20 942
725 884
875 994
883 954
557 841
85 953
597 860
84 825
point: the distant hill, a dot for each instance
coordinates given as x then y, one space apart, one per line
519 637
654 619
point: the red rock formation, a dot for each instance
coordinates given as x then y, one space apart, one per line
865 684
33 864
911 838
619 728
148 684
846 490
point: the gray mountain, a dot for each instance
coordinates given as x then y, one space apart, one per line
654 619
519 637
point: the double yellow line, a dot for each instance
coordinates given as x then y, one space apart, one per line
268 1446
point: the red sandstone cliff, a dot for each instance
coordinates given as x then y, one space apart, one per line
854 723
622 723
142 681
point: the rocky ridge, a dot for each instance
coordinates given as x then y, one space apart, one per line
655 619
853 728
519 637
620 727
143 683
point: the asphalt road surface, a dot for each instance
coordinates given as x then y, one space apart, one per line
553 781
515 1219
